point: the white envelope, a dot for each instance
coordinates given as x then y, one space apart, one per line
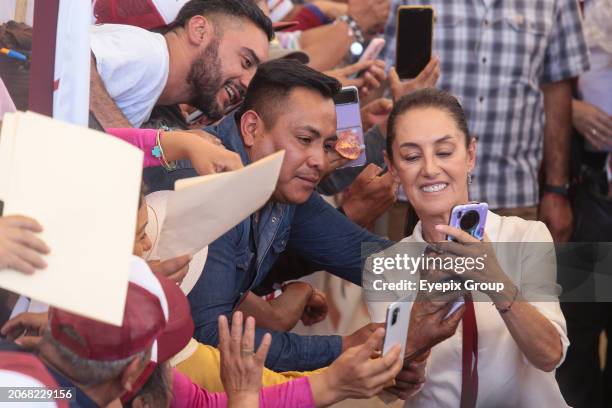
83 187
201 209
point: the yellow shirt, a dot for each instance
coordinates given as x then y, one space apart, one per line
202 363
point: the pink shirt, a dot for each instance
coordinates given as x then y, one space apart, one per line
144 139
295 394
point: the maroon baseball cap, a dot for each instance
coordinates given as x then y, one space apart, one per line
143 322
180 327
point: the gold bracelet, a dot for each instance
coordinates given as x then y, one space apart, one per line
169 166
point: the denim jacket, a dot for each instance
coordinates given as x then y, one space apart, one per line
240 259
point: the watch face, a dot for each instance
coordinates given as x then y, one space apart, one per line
356 49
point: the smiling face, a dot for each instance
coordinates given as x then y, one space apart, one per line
431 160
224 67
304 125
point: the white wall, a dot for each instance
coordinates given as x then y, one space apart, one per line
7 11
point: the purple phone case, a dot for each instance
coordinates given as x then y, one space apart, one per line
460 210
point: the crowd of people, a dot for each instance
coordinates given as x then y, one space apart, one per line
491 118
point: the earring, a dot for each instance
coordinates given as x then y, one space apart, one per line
469 176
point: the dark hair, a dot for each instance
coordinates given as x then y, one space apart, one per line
273 82
144 190
156 390
247 9
426 98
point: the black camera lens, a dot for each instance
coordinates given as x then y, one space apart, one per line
394 316
469 220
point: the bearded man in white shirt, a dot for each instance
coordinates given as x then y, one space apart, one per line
206 59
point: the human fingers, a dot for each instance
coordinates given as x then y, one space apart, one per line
456 233
224 335
372 344
368 174
30 240
23 222
236 333
263 349
24 255
370 81
29 342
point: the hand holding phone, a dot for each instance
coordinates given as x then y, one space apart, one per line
414 40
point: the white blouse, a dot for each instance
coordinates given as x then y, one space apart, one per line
505 377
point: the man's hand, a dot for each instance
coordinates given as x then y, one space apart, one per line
20 248
409 380
370 15
355 374
592 123
26 329
556 212
429 325
427 78
360 336
316 308
373 77
174 269
241 366
376 113
370 196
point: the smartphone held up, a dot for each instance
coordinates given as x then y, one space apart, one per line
350 144
414 40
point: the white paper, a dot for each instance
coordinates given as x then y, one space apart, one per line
156 203
201 209
83 188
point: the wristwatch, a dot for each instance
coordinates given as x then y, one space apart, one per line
560 190
355 32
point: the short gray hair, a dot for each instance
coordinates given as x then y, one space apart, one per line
90 372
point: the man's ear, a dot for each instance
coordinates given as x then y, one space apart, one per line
250 123
131 372
199 30
391 168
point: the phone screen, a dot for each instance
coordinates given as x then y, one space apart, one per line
348 124
414 37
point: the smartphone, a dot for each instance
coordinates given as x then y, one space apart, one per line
350 144
471 218
373 49
371 52
414 40
396 327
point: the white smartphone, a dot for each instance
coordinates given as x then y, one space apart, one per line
396 328
373 49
